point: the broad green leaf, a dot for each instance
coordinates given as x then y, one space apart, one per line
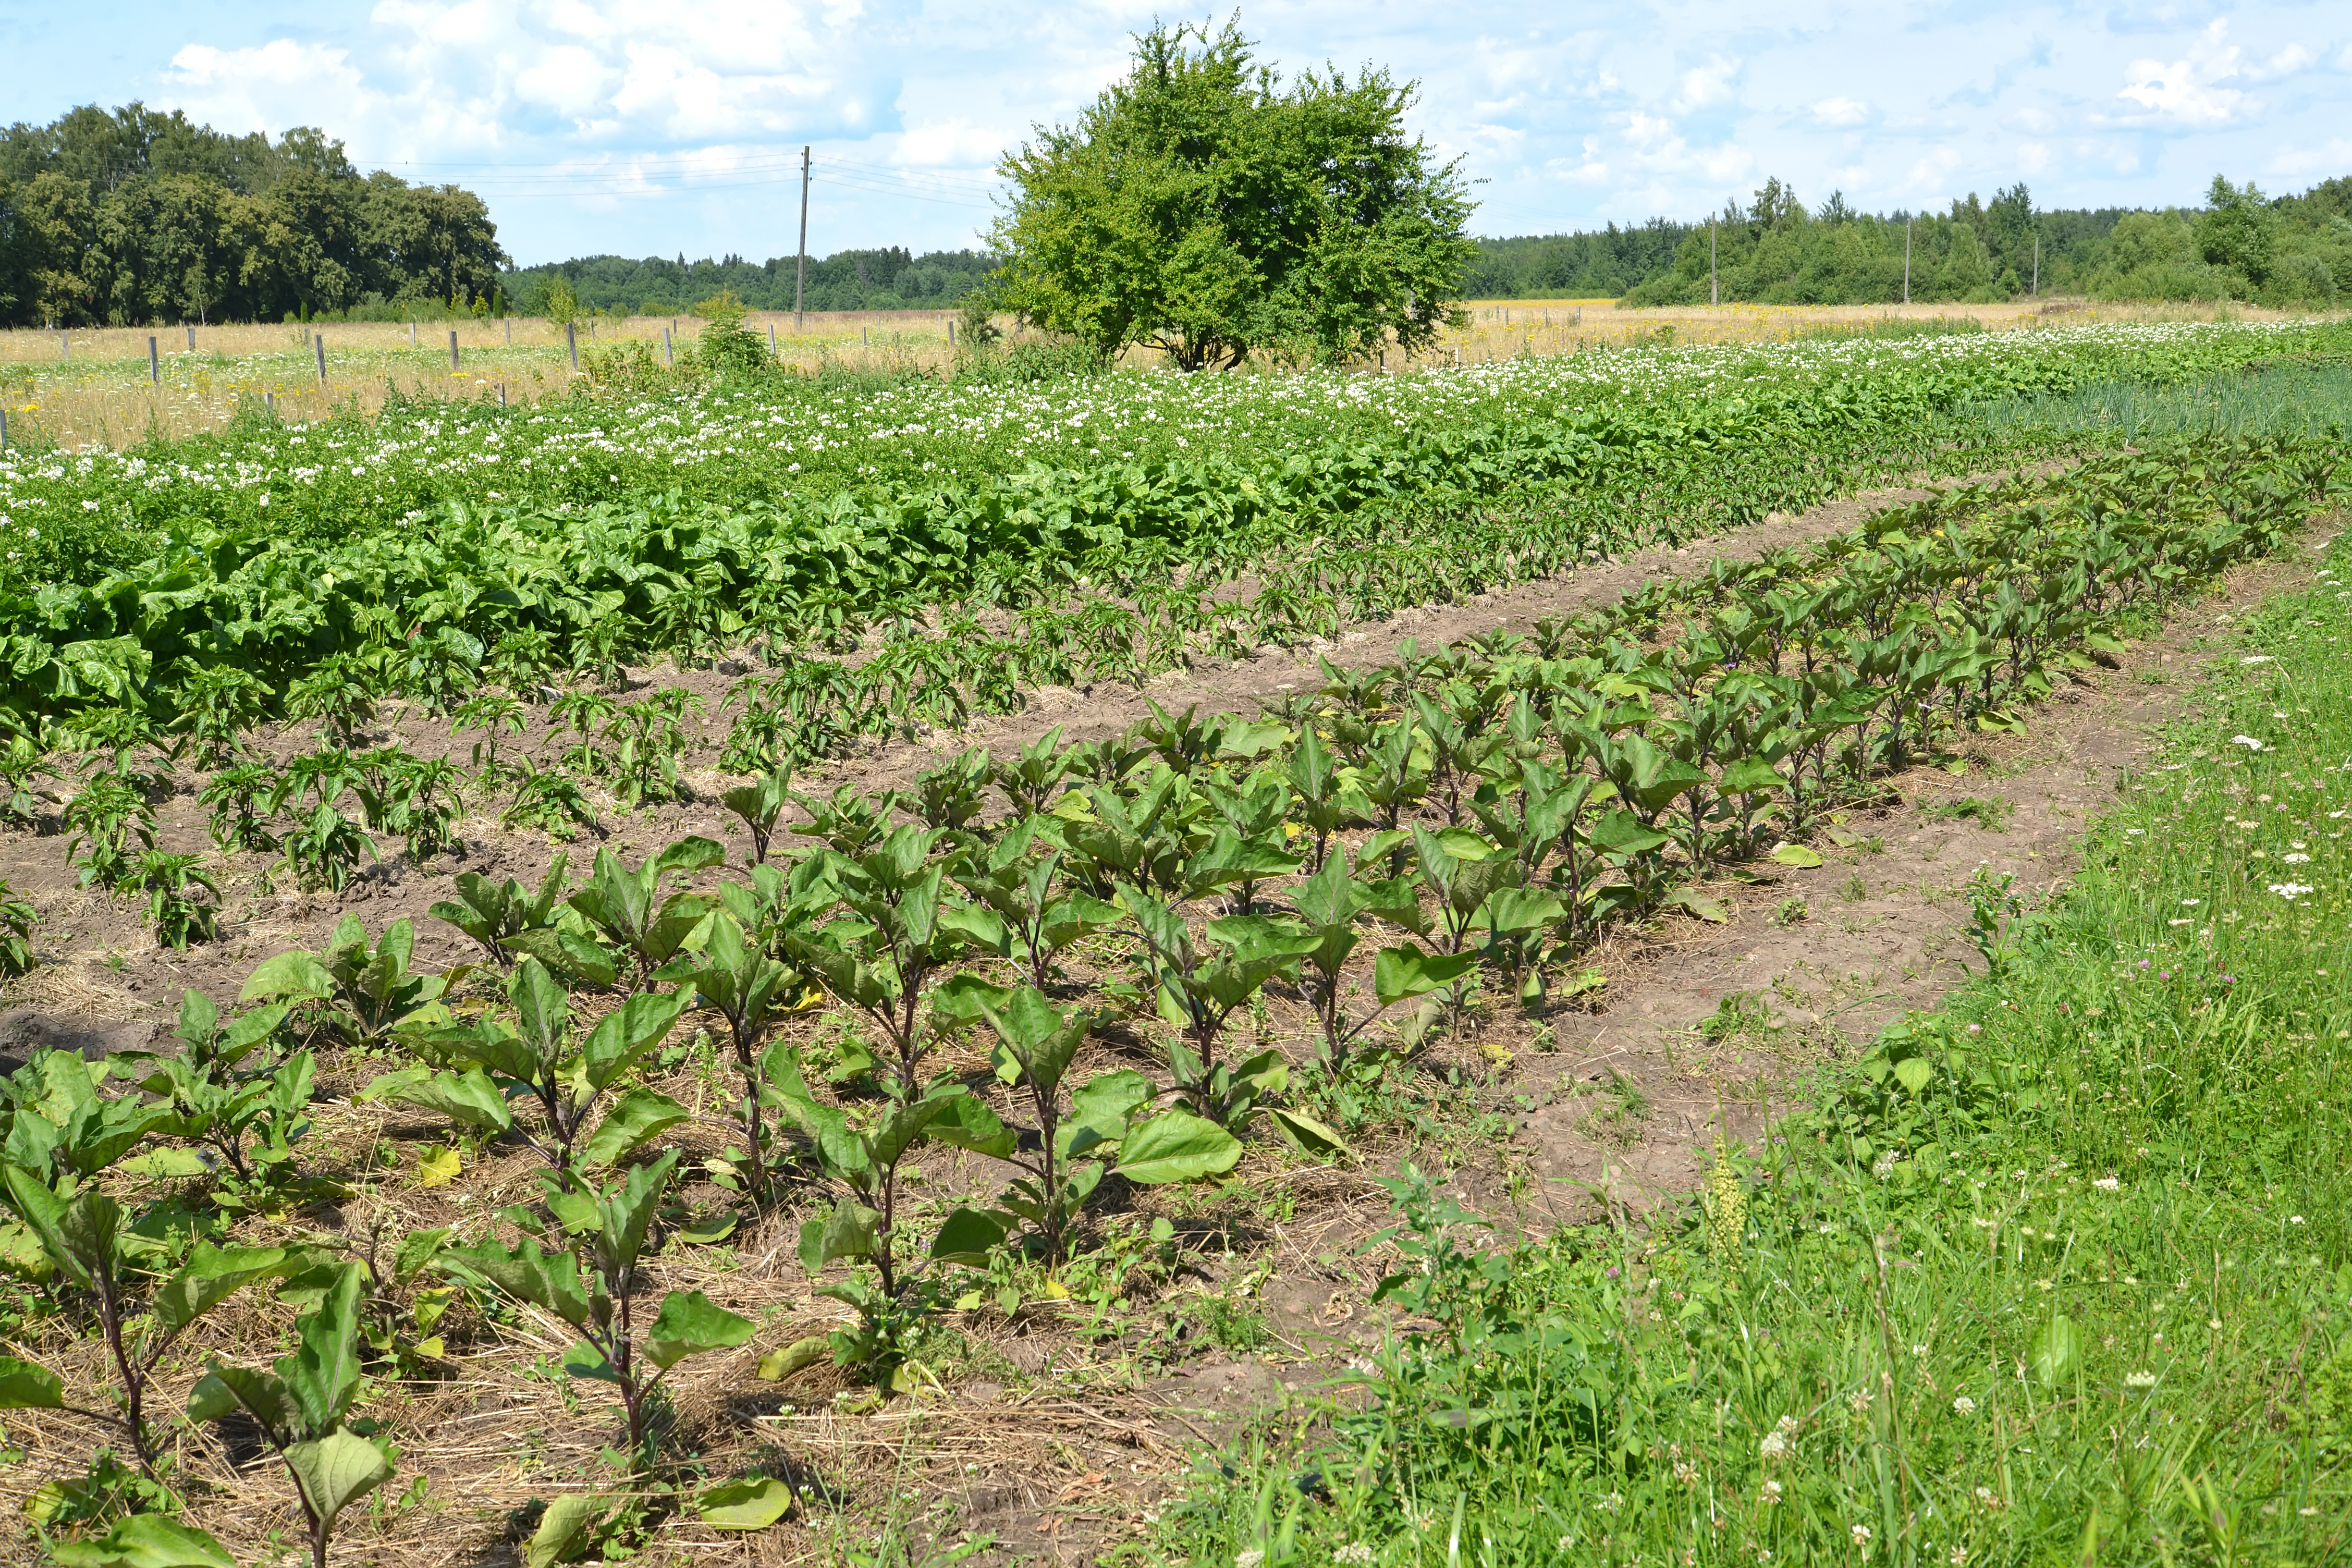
1913 1072
1105 1102
297 975
549 1280
227 1389
469 1098
144 1540
1796 855
846 1232
1752 775
210 1277
564 1530
690 1324
1312 1137
968 1236
324 1373
630 1030
584 1361
1404 972
966 1123
708 1229
1176 1146
691 854
1039 1036
635 1117
337 1471
745 1505
778 1364
26 1386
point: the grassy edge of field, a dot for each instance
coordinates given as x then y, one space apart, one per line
2059 1271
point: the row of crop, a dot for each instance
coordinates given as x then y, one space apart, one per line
1386 518
802 441
1477 811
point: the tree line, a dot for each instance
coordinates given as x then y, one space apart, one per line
129 215
2241 245
885 279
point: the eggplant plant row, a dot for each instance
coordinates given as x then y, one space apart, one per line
1101 925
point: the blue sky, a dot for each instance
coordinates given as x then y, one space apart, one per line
660 126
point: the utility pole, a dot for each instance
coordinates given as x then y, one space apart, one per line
800 279
1713 295
1906 260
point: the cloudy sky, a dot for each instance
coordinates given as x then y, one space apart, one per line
657 126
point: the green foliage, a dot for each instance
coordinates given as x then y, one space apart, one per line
475 1072
112 826
183 900
18 920
493 916
302 1407
85 1238
591 1282
361 992
138 215
1201 207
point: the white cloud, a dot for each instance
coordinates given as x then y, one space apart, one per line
471 76
1843 111
1704 85
2188 92
2304 163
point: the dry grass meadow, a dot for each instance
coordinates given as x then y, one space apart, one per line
93 387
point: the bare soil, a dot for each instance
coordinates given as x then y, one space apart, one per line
1050 1438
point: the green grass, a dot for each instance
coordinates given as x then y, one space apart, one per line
2058 1273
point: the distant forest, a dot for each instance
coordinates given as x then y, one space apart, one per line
887 280
128 215
2242 244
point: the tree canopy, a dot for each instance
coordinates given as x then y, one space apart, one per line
117 216
1206 208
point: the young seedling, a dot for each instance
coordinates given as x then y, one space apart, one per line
214 1103
593 1286
492 916
899 933
627 908
216 704
112 825
1330 906
1199 993
183 900
760 805
238 798
363 993
475 1073
303 1409
733 976
18 918
1017 882
84 1238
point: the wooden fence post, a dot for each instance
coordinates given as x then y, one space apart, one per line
319 344
154 363
192 340
669 358
453 350
572 345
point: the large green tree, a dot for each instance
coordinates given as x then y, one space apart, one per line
130 215
1204 207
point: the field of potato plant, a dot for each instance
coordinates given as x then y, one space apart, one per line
1093 972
